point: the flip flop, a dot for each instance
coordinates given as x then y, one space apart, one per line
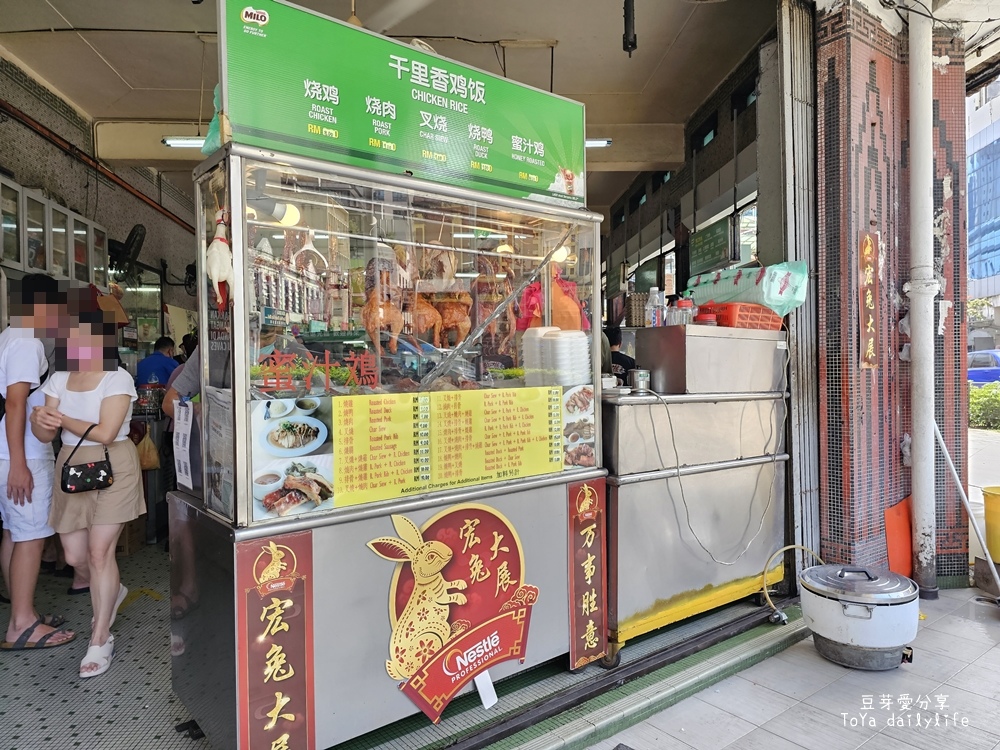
4 599
22 644
75 592
48 566
53 621
99 655
179 612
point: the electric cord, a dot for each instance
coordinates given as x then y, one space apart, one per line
777 615
680 483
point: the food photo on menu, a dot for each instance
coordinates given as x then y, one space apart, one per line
579 428
292 453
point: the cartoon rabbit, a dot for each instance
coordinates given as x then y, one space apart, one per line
422 629
274 568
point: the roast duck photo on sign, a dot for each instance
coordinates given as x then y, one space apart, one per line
302 485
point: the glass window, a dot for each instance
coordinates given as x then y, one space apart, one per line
398 344
60 243
37 257
10 222
746 234
81 252
981 360
100 258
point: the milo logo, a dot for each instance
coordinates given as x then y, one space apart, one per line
259 17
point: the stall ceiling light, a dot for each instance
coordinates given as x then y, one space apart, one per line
598 142
466 275
183 141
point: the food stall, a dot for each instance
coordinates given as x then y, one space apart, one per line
392 489
696 507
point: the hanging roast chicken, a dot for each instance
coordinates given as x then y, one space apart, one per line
219 261
379 312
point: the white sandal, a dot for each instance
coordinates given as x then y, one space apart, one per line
99 655
122 593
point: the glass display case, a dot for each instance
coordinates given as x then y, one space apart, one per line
10 223
40 236
59 242
35 226
374 340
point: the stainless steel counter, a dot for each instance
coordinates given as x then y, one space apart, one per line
648 433
696 501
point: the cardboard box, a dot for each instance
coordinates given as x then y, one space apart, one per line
132 538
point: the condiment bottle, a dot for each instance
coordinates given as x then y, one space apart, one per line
686 311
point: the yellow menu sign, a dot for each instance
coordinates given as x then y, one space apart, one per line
381 446
389 446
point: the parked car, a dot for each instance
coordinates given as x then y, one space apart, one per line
984 367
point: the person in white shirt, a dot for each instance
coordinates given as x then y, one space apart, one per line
26 464
93 398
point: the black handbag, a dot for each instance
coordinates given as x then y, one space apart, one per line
88 477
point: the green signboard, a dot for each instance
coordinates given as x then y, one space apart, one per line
710 247
648 275
302 83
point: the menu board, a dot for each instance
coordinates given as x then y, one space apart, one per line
390 446
306 84
710 247
381 446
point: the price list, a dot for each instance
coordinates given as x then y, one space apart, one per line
391 446
381 446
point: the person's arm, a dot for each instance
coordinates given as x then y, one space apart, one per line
20 483
188 383
169 398
46 420
113 411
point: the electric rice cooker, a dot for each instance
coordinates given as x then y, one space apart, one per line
860 619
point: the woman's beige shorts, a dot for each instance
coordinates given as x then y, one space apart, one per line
122 502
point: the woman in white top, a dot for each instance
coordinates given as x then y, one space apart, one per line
90 390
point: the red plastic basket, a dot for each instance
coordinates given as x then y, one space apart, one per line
744 315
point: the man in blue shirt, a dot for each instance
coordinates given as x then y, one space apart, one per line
157 367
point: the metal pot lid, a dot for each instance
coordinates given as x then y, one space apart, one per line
858 584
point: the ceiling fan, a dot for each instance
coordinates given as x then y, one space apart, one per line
390 15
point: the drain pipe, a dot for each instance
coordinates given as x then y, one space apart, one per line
922 289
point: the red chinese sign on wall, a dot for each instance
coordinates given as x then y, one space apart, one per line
588 579
868 317
458 603
275 650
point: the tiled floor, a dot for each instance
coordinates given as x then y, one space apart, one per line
791 701
799 700
45 704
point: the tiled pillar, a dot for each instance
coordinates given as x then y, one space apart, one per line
862 128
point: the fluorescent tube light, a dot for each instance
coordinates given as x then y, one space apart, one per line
598 142
466 275
183 141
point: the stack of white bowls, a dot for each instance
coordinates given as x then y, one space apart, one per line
566 358
531 355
